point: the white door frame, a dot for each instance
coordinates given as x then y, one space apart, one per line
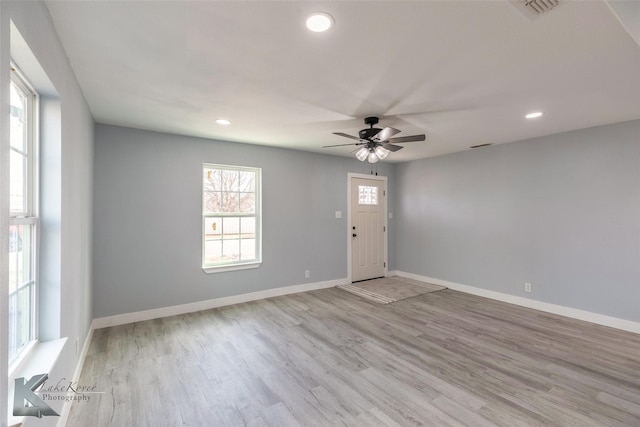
385 208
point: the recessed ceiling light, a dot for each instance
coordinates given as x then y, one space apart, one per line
534 115
223 122
319 22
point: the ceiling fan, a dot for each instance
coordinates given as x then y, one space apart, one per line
375 143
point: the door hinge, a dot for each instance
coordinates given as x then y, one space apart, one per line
384 192
384 228
385 264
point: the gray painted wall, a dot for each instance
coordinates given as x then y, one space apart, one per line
561 212
147 222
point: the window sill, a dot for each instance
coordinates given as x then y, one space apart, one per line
223 268
41 359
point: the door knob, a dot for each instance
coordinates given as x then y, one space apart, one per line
354 234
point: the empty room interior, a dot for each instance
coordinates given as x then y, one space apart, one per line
337 213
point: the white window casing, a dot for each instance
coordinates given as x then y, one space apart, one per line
231 217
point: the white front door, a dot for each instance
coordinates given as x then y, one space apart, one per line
368 230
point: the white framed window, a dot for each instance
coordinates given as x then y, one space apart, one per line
231 217
23 219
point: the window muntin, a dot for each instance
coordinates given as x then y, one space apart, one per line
231 216
22 219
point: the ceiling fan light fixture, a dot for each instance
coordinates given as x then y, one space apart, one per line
362 154
381 152
375 144
372 157
319 22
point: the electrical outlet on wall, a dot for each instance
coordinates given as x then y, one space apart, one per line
527 287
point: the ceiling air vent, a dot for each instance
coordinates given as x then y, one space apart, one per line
540 6
532 9
480 145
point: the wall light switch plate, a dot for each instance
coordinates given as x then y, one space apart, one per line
338 214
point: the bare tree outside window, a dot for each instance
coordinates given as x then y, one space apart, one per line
229 191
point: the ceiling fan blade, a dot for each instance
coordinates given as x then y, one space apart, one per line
386 133
391 147
411 138
343 145
346 135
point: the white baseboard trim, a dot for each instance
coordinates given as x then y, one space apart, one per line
574 313
157 313
66 408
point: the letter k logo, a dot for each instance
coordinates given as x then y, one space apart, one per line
25 391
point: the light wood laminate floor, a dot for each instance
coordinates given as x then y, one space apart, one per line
329 358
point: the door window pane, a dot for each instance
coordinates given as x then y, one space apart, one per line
367 195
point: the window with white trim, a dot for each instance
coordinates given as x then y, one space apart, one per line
23 219
231 217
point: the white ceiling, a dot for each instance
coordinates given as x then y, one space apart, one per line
463 72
